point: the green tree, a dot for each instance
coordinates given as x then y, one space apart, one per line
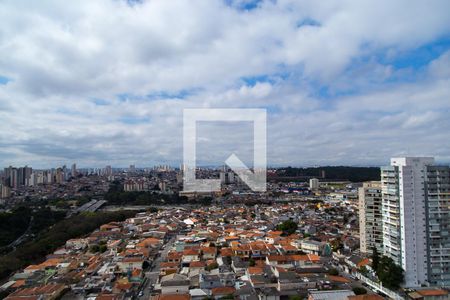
336 244
363 270
94 248
153 209
251 262
288 227
102 248
333 272
390 274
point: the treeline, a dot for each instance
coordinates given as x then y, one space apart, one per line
13 224
49 240
117 196
142 198
354 174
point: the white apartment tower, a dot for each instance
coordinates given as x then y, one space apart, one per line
416 219
314 184
370 224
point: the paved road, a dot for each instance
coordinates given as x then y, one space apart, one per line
153 274
21 238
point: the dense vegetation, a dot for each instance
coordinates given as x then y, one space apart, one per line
15 223
66 204
49 240
142 198
354 174
116 196
389 273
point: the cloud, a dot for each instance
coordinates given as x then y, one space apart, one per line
105 82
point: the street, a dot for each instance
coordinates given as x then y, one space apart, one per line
153 273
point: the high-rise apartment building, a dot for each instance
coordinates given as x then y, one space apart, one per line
60 175
314 184
73 170
415 219
370 221
437 191
108 171
5 191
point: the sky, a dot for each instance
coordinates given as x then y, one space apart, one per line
105 82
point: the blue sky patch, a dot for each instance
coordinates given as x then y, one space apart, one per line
243 5
171 95
418 57
4 79
308 22
134 120
100 102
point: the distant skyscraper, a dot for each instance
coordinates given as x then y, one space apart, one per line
416 219
223 177
27 175
14 178
230 177
314 184
370 222
108 171
7 176
226 177
60 175
73 170
64 173
132 169
5 191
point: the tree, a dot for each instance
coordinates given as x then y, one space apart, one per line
363 270
359 290
251 262
153 209
94 248
288 227
336 244
102 248
390 274
333 272
375 258
145 265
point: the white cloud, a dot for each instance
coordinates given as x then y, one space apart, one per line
61 57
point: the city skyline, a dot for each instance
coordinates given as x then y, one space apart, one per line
174 166
106 82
